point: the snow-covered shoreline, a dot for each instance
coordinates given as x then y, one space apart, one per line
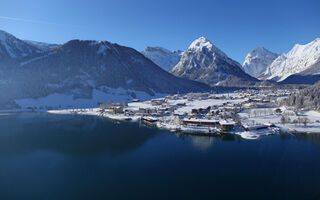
244 114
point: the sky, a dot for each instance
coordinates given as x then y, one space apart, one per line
234 26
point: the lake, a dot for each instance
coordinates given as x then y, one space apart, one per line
45 156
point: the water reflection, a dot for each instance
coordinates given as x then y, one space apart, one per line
83 157
202 142
69 135
310 137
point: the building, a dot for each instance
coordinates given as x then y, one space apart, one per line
157 102
226 126
199 122
116 110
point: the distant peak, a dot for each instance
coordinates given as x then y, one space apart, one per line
261 52
261 48
4 35
148 48
201 42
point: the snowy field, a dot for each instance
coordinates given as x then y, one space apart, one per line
65 101
313 126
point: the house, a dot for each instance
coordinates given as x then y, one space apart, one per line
226 126
181 104
116 110
109 104
157 102
147 111
199 122
151 121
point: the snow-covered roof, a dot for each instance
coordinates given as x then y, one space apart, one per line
201 120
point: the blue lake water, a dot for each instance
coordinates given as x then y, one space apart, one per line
46 156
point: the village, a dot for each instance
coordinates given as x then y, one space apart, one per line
248 113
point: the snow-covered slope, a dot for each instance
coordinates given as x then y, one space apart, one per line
297 60
258 60
92 70
204 62
163 57
11 47
42 45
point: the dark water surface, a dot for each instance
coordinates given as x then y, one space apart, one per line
85 157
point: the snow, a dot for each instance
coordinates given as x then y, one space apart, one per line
200 120
4 37
102 49
14 47
202 42
298 59
256 134
196 104
312 127
204 62
42 45
164 58
35 59
257 61
65 100
92 83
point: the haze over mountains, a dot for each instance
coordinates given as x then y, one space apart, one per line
83 73
89 70
164 58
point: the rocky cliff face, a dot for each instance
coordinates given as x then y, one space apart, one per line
258 60
204 62
297 60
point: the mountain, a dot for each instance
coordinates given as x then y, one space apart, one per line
163 57
300 59
12 47
258 60
42 45
82 73
204 62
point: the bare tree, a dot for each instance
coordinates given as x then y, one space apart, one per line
305 121
283 120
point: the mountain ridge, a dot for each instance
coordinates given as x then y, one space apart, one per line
297 60
83 68
206 63
258 60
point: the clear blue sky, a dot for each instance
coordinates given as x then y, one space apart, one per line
236 27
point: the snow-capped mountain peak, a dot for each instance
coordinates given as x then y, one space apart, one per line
297 60
200 43
42 45
203 43
164 58
206 63
258 60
